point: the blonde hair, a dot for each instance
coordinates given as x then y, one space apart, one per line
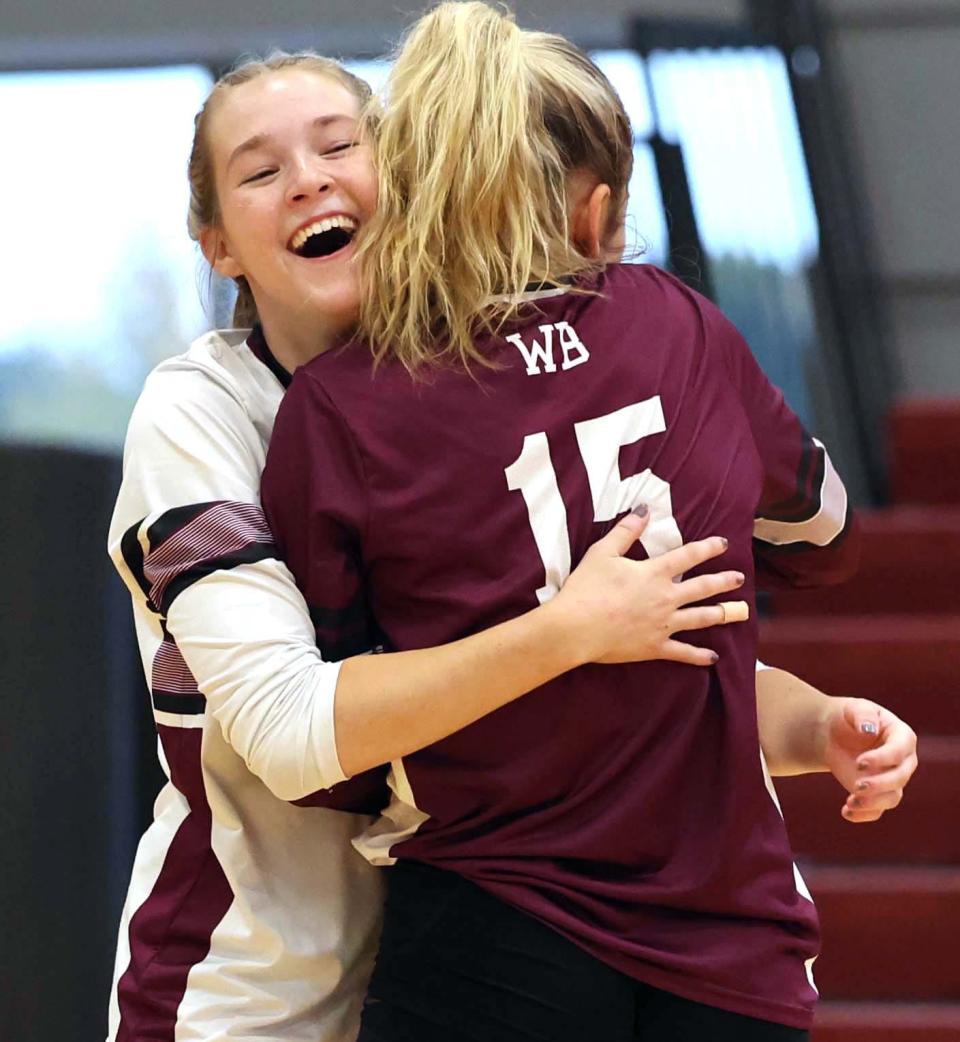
484 123
204 210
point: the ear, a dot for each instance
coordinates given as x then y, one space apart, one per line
589 221
217 251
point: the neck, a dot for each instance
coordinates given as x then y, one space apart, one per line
293 344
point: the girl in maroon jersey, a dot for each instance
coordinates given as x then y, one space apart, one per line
504 159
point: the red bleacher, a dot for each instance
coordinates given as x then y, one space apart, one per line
889 892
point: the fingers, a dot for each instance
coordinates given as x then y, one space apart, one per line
863 718
884 772
889 781
709 615
676 562
896 744
880 793
624 533
860 817
677 651
885 769
861 807
706 586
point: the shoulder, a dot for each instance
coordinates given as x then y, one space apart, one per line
215 381
205 373
201 424
662 298
651 286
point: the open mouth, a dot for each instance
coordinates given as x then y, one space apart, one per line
324 238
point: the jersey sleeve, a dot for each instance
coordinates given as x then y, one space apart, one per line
314 494
315 497
229 633
805 532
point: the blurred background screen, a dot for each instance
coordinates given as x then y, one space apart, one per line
100 278
109 283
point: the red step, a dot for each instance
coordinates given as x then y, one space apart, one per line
924 829
925 451
910 563
911 664
887 1022
888 931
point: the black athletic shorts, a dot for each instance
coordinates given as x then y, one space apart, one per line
458 965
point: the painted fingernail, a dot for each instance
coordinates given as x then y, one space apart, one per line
856 802
714 658
868 727
726 542
741 579
863 765
862 785
641 510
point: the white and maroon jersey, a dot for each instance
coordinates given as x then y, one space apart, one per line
248 917
625 806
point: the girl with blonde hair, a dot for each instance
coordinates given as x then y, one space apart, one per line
604 858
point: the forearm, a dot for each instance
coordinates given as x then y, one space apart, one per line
388 706
792 717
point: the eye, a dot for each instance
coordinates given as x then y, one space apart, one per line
259 175
341 146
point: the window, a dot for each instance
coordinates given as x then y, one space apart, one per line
731 112
100 280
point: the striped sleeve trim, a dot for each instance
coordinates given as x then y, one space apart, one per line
816 517
804 501
172 686
182 545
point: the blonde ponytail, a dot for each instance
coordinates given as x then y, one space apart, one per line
483 125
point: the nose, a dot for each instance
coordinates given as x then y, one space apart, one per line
310 177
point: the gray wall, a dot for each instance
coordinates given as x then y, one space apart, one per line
899 66
144 31
898 63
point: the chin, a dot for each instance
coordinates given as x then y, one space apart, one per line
341 310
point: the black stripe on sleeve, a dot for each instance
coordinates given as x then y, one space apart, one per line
805 503
132 553
248 555
171 521
182 705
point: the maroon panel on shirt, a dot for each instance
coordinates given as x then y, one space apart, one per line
624 806
170 932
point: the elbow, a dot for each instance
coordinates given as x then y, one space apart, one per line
805 565
839 560
282 773
288 756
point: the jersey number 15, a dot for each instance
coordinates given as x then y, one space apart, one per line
532 475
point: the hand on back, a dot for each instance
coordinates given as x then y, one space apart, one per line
622 610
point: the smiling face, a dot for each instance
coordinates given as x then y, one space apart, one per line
293 185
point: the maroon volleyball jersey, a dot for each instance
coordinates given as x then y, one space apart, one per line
625 806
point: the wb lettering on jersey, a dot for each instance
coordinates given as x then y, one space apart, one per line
572 348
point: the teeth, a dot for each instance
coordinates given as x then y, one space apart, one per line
326 225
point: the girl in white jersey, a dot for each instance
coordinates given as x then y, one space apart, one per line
249 916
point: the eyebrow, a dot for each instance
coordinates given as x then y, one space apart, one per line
259 140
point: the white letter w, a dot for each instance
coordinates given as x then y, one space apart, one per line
537 352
